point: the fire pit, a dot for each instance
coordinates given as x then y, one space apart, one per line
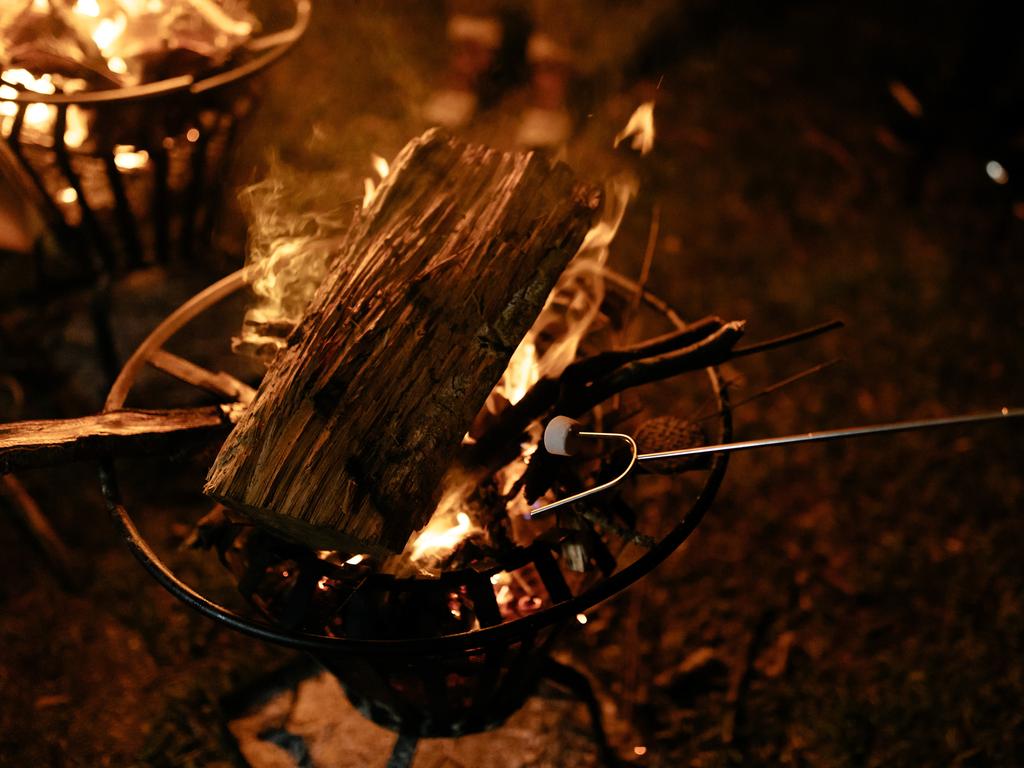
440 655
133 175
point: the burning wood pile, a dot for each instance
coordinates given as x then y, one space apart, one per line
397 429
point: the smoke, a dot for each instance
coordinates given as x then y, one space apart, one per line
297 221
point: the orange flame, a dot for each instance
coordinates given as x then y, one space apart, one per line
439 537
640 129
370 187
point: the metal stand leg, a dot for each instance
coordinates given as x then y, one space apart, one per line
404 751
579 686
25 510
106 347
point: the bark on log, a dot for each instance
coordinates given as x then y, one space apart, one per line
434 287
25 444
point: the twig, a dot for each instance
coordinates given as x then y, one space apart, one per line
678 341
711 350
790 338
222 384
493 446
652 245
770 389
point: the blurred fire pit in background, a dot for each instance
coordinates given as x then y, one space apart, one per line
133 175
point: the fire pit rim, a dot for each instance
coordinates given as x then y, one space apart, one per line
508 631
272 47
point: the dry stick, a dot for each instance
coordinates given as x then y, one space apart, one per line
589 368
25 444
712 350
645 267
495 444
221 384
789 338
770 389
780 341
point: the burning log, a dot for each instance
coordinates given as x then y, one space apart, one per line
436 283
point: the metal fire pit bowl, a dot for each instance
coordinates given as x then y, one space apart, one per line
445 683
109 219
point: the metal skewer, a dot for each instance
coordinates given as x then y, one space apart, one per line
561 432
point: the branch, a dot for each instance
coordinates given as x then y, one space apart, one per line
43 443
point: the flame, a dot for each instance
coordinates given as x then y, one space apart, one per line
87 8
440 538
640 128
571 308
108 31
370 187
569 312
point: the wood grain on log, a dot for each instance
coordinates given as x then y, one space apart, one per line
434 287
48 442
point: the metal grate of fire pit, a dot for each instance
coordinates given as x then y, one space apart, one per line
421 656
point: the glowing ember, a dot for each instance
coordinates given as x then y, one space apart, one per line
906 98
640 129
127 158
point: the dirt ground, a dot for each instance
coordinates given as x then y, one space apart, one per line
859 603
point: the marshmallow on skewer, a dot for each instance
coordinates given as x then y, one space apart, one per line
560 436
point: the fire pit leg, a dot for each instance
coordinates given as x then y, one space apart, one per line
404 751
106 347
579 686
26 511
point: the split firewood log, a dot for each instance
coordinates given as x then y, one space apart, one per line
434 287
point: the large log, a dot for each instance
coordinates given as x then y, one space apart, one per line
433 289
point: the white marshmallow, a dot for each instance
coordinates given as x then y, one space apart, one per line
559 431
